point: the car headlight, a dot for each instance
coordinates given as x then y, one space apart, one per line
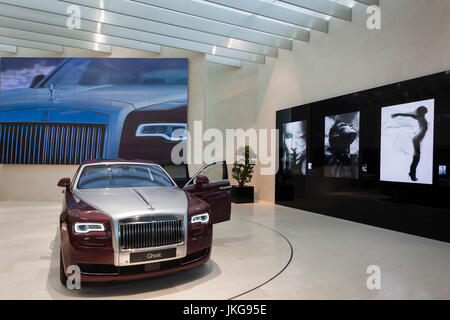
86 227
167 131
200 218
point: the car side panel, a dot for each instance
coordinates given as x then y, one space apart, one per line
217 195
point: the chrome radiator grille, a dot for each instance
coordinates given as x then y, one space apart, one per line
50 143
151 234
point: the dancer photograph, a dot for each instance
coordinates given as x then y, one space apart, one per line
407 143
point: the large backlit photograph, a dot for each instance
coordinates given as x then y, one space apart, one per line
294 148
407 132
65 111
342 146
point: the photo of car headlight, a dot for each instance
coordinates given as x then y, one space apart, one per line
200 218
168 131
86 227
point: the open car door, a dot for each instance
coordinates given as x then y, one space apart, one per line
178 173
211 184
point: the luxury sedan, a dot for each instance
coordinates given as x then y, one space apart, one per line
128 219
91 108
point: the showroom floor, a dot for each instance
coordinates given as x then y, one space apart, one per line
265 252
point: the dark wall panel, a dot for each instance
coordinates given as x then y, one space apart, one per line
415 208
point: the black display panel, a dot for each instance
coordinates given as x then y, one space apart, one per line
386 162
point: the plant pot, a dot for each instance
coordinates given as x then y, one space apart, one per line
243 194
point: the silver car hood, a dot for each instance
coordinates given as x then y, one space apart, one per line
120 203
99 98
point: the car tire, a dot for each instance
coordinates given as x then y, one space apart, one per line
62 273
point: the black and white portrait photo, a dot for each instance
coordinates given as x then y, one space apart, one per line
407 132
294 147
342 146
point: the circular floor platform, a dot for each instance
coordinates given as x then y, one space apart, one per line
245 255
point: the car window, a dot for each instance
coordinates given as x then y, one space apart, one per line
70 73
98 71
74 177
177 172
213 172
123 176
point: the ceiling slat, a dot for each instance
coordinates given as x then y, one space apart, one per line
130 14
92 40
224 61
203 17
325 7
34 36
273 11
217 13
76 34
369 2
226 31
59 19
8 48
31 44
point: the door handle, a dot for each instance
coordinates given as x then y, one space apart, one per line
225 188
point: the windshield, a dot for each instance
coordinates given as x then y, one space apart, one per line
130 71
123 176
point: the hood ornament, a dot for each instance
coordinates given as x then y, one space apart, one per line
52 88
148 203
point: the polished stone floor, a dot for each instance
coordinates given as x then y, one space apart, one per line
264 252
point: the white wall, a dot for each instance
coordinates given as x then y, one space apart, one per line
231 95
414 41
38 182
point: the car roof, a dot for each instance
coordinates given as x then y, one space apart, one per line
95 161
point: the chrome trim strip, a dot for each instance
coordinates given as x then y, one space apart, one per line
150 249
100 274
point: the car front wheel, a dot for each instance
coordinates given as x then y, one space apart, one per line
62 274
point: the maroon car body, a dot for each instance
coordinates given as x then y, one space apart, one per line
131 232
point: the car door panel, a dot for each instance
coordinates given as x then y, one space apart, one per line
216 193
218 196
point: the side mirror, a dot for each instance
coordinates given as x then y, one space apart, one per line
64 182
36 80
200 180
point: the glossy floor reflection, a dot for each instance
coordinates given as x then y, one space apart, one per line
265 252
244 255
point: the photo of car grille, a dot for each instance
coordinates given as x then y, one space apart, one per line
150 234
50 143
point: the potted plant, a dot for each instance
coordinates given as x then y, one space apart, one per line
242 172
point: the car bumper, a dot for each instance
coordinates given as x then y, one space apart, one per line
140 271
97 264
